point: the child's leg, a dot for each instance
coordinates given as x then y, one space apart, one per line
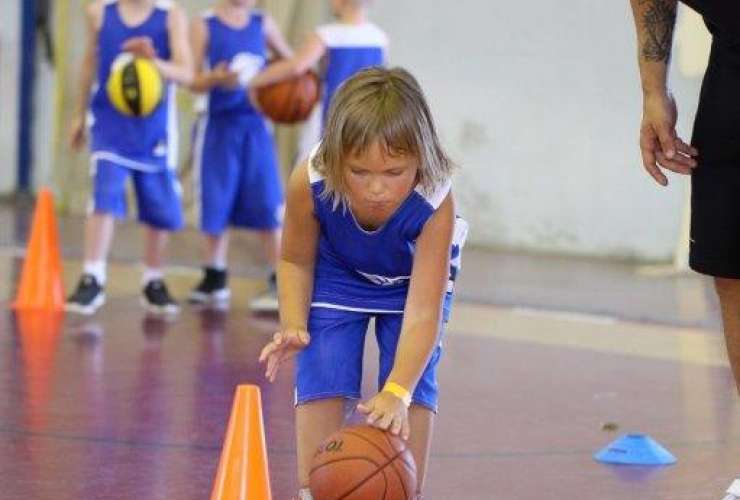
160 210
158 198
217 248
155 247
216 158
98 236
421 421
271 245
108 202
260 201
315 421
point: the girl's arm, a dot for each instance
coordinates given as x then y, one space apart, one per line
275 39
295 270
306 57
298 254
94 17
421 323
423 312
204 79
179 68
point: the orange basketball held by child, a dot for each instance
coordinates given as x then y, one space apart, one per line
363 463
290 101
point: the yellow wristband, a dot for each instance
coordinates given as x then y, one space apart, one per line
399 391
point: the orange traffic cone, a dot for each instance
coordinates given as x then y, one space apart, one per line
41 279
242 471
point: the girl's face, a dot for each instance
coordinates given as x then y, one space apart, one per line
378 183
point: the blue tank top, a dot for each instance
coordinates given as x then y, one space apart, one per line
148 142
350 49
370 271
245 50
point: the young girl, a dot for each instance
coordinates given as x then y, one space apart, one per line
369 226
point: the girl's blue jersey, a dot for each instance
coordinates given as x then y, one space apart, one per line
370 271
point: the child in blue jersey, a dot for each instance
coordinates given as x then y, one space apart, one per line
236 170
370 232
347 46
137 148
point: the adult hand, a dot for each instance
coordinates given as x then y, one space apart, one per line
660 146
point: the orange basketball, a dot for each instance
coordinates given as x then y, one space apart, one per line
363 463
290 101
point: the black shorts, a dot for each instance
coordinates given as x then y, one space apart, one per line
715 184
715 221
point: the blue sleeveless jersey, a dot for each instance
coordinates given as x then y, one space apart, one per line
350 49
244 49
145 143
370 270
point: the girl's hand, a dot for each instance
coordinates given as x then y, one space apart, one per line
140 46
388 412
285 344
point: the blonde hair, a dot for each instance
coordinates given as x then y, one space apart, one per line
384 105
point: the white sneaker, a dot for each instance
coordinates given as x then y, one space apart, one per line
266 302
733 492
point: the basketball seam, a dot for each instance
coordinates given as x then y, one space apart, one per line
379 469
376 464
131 71
345 458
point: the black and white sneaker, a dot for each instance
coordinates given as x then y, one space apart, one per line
267 301
156 299
87 298
212 288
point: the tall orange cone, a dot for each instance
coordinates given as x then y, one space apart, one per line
41 285
243 472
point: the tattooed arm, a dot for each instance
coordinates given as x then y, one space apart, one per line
654 21
659 144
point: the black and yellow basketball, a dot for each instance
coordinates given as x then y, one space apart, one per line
134 86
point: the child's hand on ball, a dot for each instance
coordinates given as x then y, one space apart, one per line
388 412
140 46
